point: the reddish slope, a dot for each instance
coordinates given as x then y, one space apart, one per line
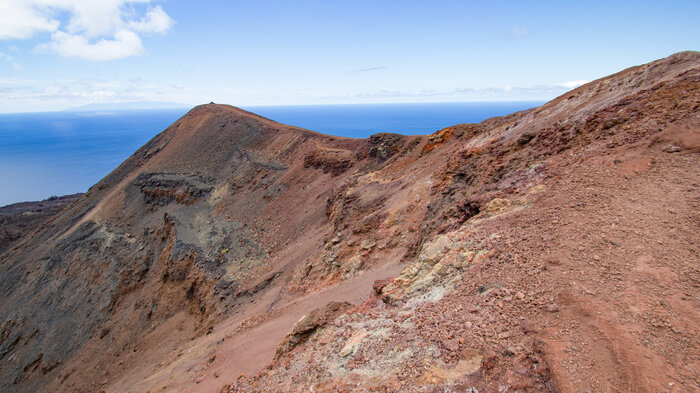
522 265
200 220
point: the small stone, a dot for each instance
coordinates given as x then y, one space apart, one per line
596 257
353 343
451 345
509 351
503 335
489 361
368 244
671 149
553 308
528 327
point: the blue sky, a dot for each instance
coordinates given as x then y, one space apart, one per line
57 54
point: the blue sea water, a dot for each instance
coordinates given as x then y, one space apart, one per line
361 121
58 153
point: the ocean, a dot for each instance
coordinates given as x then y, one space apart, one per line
58 153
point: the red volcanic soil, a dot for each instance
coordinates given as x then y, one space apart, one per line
553 249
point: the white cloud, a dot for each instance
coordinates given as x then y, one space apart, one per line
572 84
18 94
93 29
156 20
124 43
502 93
21 19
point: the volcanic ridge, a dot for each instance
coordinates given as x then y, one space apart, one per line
550 250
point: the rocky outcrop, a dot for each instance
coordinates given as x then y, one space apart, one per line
334 162
385 145
161 188
309 324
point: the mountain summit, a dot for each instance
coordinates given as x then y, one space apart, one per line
554 249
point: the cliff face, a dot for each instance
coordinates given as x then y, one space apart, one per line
552 249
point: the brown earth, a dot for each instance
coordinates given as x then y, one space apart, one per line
553 249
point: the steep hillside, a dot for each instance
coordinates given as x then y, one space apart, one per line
549 250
